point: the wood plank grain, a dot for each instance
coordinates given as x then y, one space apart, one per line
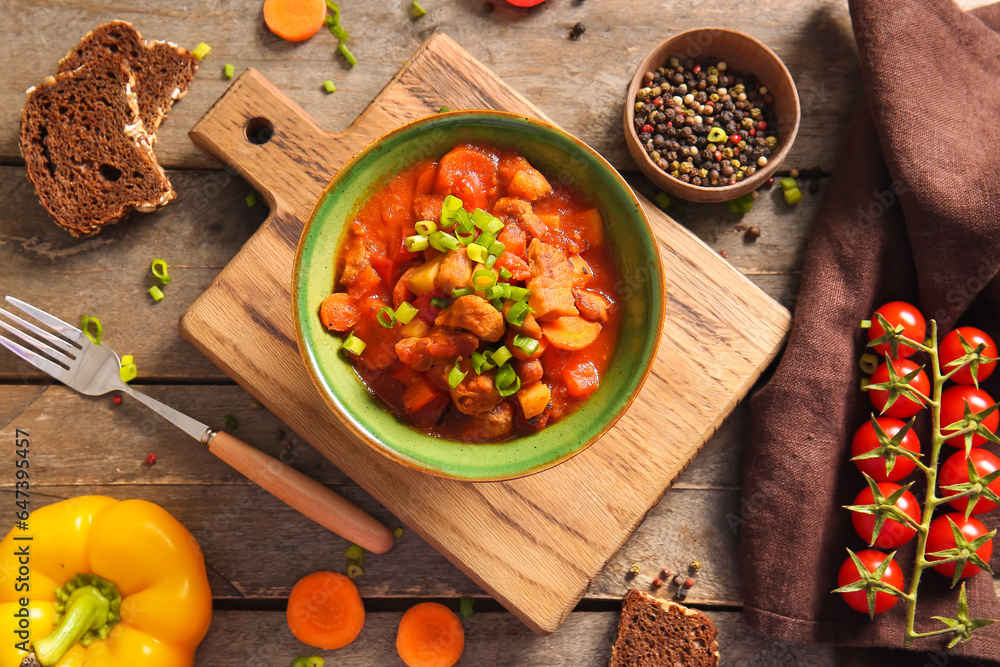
497 639
528 49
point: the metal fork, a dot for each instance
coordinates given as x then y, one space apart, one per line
93 369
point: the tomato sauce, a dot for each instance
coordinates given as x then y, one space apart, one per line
376 271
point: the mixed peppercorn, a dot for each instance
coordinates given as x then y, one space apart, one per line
704 124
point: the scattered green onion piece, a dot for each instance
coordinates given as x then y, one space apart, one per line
477 253
741 205
519 293
526 344
353 344
480 218
201 50
465 603
498 304
495 292
443 242
444 110
311 661
462 291
865 324
793 196
416 11
354 553
464 220
354 571
329 87
251 200
230 422
481 363
486 240
717 135
507 382
490 261
493 227
159 269
386 317
85 323
425 227
398 532
438 302
127 372
455 376
416 243
497 248
482 279
339 32
405 312
663 200
344 51
788 183
156 293
518 312
505 273
452 203
466 238
127 359
229 71
502 355
335 9
506 290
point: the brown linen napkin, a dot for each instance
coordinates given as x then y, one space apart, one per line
912 213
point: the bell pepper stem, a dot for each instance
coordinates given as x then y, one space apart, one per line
87 609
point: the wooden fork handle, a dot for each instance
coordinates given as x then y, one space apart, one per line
303 494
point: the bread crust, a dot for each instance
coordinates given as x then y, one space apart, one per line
659 633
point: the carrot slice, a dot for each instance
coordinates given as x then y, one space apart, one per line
294 20
571 332
325 610
582 380
338 312
419 396
430 635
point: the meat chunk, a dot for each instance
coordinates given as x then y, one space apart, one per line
528 328
511 209
401 292
455 271
439 343
581 271
355 261
428 207
529 371
475 394
494 424
475 314
592 306
551 282
529 184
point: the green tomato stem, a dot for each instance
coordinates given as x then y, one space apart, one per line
87 610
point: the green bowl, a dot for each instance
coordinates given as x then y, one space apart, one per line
628 232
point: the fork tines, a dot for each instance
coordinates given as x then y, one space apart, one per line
59 348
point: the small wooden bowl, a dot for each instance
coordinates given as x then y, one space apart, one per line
743 54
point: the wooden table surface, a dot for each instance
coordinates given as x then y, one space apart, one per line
255 547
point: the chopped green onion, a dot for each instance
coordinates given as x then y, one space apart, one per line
486 240
480 218
339 32
452 203
464 221
717 135
128 371
506 290
425 227
230 422
201 50
505 273
311 661
416 11
354 553
455 376
788 183
353 344
462 291
497 248
793 196
329 87
663 200
416 243
404 314
741 205
444 110
465 603
501 356
495 292
493 227
156 293
443 242
386 317
127 359
335 9
482 279
506 381
490 261
344 51
228 71
526 344
477 253
159 269
85 323
465 239
398 532
518 312
251 200
438 302
481 363
354 571
497 303
519 293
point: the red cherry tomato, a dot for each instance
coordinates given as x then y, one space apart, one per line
893 533
903 407
865 440
899 313
953 400
525 3
871 559
956 471
940 538
951 349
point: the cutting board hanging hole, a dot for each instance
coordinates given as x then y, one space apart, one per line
259 131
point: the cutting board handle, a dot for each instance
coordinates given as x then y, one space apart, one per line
271 142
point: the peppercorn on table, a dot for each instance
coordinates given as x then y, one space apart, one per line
255 547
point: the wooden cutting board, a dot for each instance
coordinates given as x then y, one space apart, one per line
533 543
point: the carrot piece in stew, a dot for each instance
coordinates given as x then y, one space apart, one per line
518 267
571 332
419 395
581 379
366 282
325 610
430 635
338 312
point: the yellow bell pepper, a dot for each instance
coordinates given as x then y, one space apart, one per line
94 582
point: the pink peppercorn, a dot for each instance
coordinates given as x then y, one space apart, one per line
689 582
117 400
151 460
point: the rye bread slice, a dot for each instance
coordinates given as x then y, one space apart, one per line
162 70
661 633
86 149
